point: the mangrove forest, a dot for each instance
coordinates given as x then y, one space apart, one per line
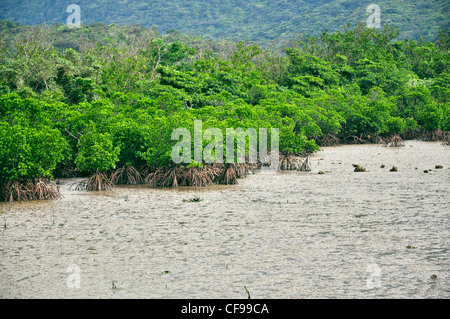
102 101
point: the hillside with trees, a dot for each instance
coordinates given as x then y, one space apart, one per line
256 20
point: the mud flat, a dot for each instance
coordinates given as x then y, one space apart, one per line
290 234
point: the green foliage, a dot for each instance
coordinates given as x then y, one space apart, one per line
29 152
194 164
96 152
102 96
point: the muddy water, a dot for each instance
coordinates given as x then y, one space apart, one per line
284 235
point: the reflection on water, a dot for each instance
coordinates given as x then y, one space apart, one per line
283 235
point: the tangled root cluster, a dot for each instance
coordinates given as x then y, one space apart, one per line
197 176
99 182
126 175
290 163
36 189
396 141
328 140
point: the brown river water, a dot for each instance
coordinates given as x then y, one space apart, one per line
375 234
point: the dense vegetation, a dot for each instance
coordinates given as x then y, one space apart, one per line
72 104
257 20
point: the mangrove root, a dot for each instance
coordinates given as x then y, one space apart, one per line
37 189
99 182
305 167
199 176
231 172
355 140
289 163
183 176
396 141
127 175
446 140
80 185
328 140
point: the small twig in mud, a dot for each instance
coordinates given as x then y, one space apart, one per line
248 293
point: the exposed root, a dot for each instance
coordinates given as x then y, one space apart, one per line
37 189
411 134
446 140
229 175
273 157
126 175
80 185
355 140
328 140
285 163
183 176
242 169
438 135
424 135
396 141
99 182
144 171
164 177
379 140
198 176
290 163
331 140
305 167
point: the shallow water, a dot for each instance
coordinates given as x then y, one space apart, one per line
285 235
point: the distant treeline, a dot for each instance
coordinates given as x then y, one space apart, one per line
257 20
